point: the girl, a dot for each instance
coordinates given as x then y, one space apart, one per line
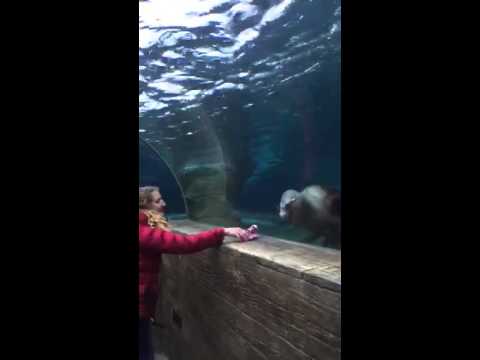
155 238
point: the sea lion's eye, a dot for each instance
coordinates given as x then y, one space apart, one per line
288 203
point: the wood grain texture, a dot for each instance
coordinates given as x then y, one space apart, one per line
267 299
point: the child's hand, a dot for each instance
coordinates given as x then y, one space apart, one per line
242 234
252 230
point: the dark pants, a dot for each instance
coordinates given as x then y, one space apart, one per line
145 340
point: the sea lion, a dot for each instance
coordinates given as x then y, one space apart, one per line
315 209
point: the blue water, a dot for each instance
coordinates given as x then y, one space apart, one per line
248 88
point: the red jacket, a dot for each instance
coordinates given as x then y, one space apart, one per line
154 242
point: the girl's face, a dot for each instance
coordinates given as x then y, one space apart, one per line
157 203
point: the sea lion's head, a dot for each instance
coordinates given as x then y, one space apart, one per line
288 197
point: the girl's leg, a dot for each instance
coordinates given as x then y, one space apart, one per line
145 340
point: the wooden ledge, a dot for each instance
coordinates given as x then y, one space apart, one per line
313 264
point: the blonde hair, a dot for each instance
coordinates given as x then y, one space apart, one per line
145 195
155 219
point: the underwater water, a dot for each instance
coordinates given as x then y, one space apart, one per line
241 99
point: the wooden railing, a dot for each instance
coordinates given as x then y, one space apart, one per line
266 299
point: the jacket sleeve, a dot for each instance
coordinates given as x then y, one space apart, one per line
158 240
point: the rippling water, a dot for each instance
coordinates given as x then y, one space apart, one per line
192 49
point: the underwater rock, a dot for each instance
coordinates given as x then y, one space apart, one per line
204 188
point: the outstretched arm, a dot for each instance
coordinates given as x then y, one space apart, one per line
158 240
